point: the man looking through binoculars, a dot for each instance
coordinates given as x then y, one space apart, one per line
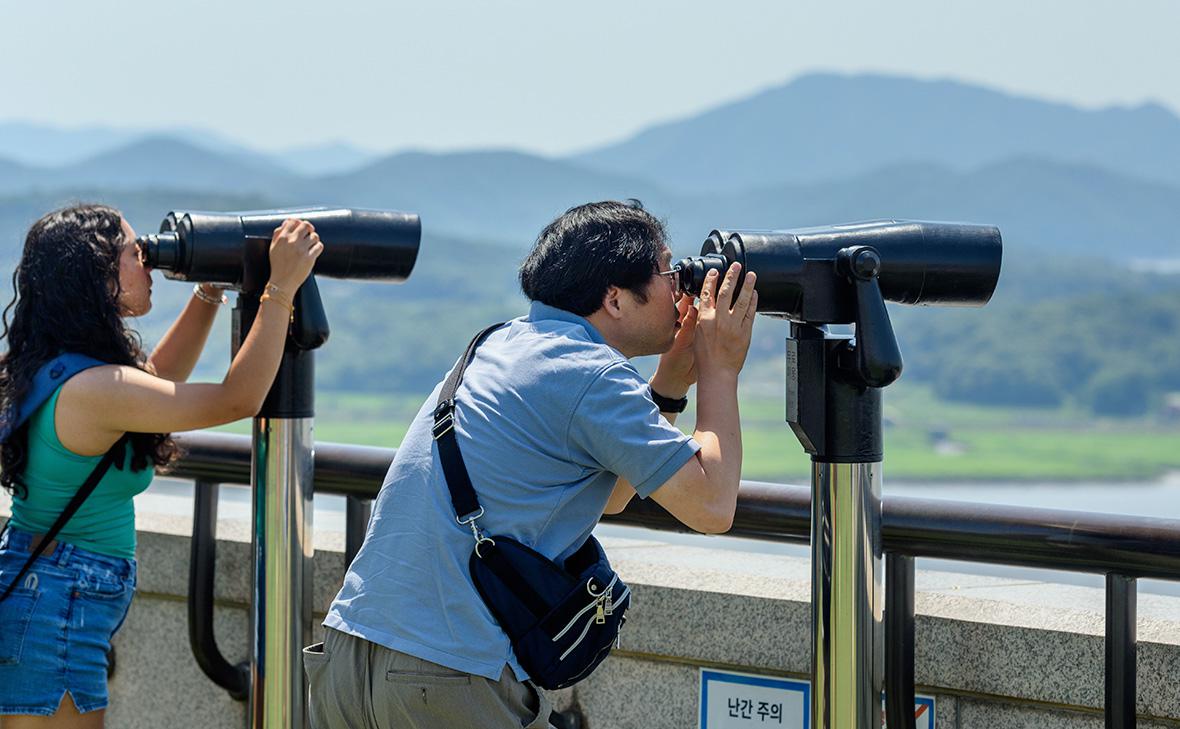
556 428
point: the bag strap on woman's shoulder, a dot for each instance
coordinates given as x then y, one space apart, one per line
50 376
113 456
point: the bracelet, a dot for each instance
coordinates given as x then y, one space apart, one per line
269 296
668 404
200 294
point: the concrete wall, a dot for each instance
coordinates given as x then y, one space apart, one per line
995 653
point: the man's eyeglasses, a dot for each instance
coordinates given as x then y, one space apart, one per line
674 277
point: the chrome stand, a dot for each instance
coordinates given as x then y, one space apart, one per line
847 596
280 608
834 409
281 475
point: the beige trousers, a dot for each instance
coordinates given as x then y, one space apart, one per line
355 684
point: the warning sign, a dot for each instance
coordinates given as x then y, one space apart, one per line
732 700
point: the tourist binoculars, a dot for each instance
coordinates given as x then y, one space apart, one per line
814 275
232 249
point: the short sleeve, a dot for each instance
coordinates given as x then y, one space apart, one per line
617 426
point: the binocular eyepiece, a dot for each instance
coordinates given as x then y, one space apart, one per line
809 274
232 249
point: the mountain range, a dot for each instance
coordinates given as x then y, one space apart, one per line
40 145
830 127
821 149
1073 191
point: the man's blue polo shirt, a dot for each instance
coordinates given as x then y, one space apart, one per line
548 416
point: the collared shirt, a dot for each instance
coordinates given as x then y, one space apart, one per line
548 417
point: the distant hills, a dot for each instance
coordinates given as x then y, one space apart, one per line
486 195
830 127
37 145
1069 204
822 149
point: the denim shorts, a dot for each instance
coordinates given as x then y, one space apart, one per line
56 626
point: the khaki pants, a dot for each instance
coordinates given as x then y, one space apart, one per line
355 684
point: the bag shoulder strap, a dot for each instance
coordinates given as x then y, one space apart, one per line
113 456
49 376
463 497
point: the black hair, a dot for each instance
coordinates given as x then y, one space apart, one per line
590 248
66 300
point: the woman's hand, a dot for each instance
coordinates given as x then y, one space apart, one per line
677 369
724 326
293 249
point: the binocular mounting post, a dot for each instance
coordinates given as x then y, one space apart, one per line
281 480
834 408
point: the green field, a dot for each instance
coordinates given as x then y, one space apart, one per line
974 443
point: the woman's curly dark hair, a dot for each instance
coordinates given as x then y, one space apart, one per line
66 300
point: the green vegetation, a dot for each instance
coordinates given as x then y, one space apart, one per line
1064 375
930 439
1112 355
925 439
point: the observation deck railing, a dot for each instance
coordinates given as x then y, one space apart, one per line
1123 548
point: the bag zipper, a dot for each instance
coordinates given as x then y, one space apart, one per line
581 637
586 629
599 599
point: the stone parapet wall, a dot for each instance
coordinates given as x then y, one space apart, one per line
995 653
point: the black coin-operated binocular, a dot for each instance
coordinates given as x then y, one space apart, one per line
844 274
232 249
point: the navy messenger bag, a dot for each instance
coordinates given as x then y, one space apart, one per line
562 618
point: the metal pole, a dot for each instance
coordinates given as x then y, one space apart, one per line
837 419
357 511
847 596
899 641
1121 631
280 609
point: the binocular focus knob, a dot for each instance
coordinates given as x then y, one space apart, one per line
860 262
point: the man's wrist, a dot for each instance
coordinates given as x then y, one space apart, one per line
668 404
720 379
668 387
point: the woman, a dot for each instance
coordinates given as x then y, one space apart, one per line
80 274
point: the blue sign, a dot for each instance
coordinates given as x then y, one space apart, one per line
731 700
742 701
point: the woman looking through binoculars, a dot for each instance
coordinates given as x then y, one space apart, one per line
80 274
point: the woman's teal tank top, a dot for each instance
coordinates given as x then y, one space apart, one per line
106 522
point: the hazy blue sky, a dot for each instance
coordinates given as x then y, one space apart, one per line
548 76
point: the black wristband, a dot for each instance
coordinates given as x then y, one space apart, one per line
668 404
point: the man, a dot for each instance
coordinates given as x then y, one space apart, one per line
556 426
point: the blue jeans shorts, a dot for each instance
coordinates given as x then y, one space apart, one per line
56 626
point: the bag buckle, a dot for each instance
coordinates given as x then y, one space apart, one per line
480 538
444 418
441 427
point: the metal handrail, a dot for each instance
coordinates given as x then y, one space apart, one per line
202 558
1123 548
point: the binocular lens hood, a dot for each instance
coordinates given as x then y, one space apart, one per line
800 276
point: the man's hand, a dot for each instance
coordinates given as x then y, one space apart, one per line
677 370
724 326
703 493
